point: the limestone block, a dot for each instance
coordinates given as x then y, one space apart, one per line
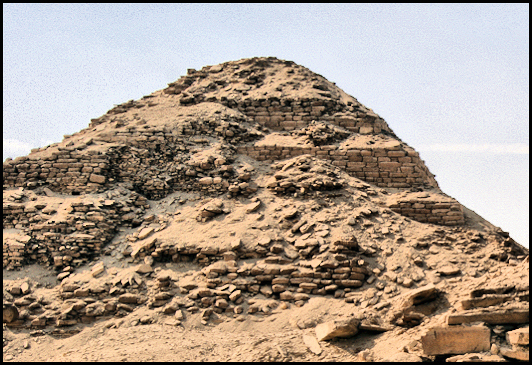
144 268
128 298
519 336
518 353
206 181
492 317
25 288
351 283
97 269
312 344
456 340
253 207
95 309
342 328
486 300
145 232
366 129
10 313
448 270
475 357
396 153
286 295
418 296
389 166
99 179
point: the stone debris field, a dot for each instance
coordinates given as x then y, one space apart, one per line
250 211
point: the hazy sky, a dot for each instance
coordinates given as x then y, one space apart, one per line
452 81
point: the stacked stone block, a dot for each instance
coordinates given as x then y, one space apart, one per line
448 212
14 254
393 167
287 114
159 153
66 170
71 241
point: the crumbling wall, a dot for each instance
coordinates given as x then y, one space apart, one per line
14 254
394 167
446 212
69 239
156 161
66 170
288 114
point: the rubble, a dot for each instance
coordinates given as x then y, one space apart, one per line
339 328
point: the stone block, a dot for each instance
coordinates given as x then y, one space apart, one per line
486 300
312 344
418 296
366 129
519 336
128 298
286 295
518 353
396 153
456 340
492 317
389 166
97 269
206 181
99 179
342 328
145 232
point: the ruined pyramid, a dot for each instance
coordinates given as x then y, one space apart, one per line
254 188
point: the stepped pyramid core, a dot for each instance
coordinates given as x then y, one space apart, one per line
270 177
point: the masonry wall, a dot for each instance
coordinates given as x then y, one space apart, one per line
227 283
65 170
70 241
447 213
78 169
395 167
279 114
161 154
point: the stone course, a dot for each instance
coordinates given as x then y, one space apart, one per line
447 211
394 168
71 240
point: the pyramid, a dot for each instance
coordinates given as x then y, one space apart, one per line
282 190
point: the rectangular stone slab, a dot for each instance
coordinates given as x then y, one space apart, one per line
494 317
456 340
312 344
486 300
519 336
343 328
518 353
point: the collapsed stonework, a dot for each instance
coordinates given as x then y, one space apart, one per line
281 188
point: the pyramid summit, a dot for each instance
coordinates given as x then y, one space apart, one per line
249 189
264 107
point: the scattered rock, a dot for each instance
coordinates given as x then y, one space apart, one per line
339 328
402 357
97 269
312 344
145 232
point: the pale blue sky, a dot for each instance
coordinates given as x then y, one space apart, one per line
451 80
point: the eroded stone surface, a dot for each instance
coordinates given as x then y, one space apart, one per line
456 340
